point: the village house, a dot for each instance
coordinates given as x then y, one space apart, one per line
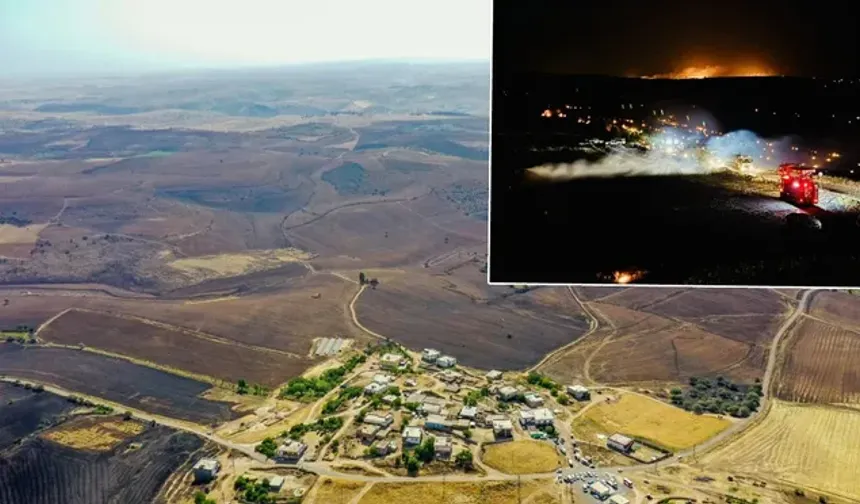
373 388
429 408
412 436
367 433
618 499
442 447
507 393
391 361
579 392
469 412
620 443
206 470
452 388
276 483
446 361
437 422
599 490
389 399
493 375
381 419
292 450
488 420
450 376
533 400
386 447
382 379
540 417
430 355
503 429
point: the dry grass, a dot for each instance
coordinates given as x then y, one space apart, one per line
330 490
225 265
10 234
642 417
807 446
495 492
821 366
522 457
94 434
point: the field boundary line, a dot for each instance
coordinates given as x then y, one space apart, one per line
354 315
49 321
364 490
190 332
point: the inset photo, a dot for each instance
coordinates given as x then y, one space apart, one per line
675 143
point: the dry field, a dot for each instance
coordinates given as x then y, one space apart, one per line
330 490
444 312
840 308
522 457
806 446
174 348
203 268
490 492
646 418
821 365
389 234
94 433
699 303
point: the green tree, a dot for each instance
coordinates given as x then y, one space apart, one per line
464 459
362 279
426 451
267 447
242 387
563 400
412 465
200 498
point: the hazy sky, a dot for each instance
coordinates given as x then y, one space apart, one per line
45 36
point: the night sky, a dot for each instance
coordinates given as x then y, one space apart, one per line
657 37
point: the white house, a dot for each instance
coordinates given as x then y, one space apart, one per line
276 483
620 443
206 470
600 490
382 379
469 412
503 429
373 388
442 447
292 450
391 361
383 420
538 417
618 499
430 355
428 408
446 361
578 392
533 400
507 393
493 375
412 436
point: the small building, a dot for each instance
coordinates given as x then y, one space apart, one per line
442 447
380 419
373 388
450 376
538 417
533 400
292 450
276 483
579 392
446 361
619 499
437 422
412 436
206 470
430 355
461 424
382 379
599 490
493 375
389 399
503 429
469 412
367 432
452 388
428 408
508 392
415 397
386 447
620 442
391 361
411 382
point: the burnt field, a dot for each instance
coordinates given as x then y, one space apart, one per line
175 348
115 380
485 327
39 471
23 411
685 226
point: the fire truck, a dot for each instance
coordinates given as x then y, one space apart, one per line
797 184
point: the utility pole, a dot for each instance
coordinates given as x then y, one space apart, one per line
443 489
519 490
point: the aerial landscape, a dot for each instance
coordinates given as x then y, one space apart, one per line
301 300
270 285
